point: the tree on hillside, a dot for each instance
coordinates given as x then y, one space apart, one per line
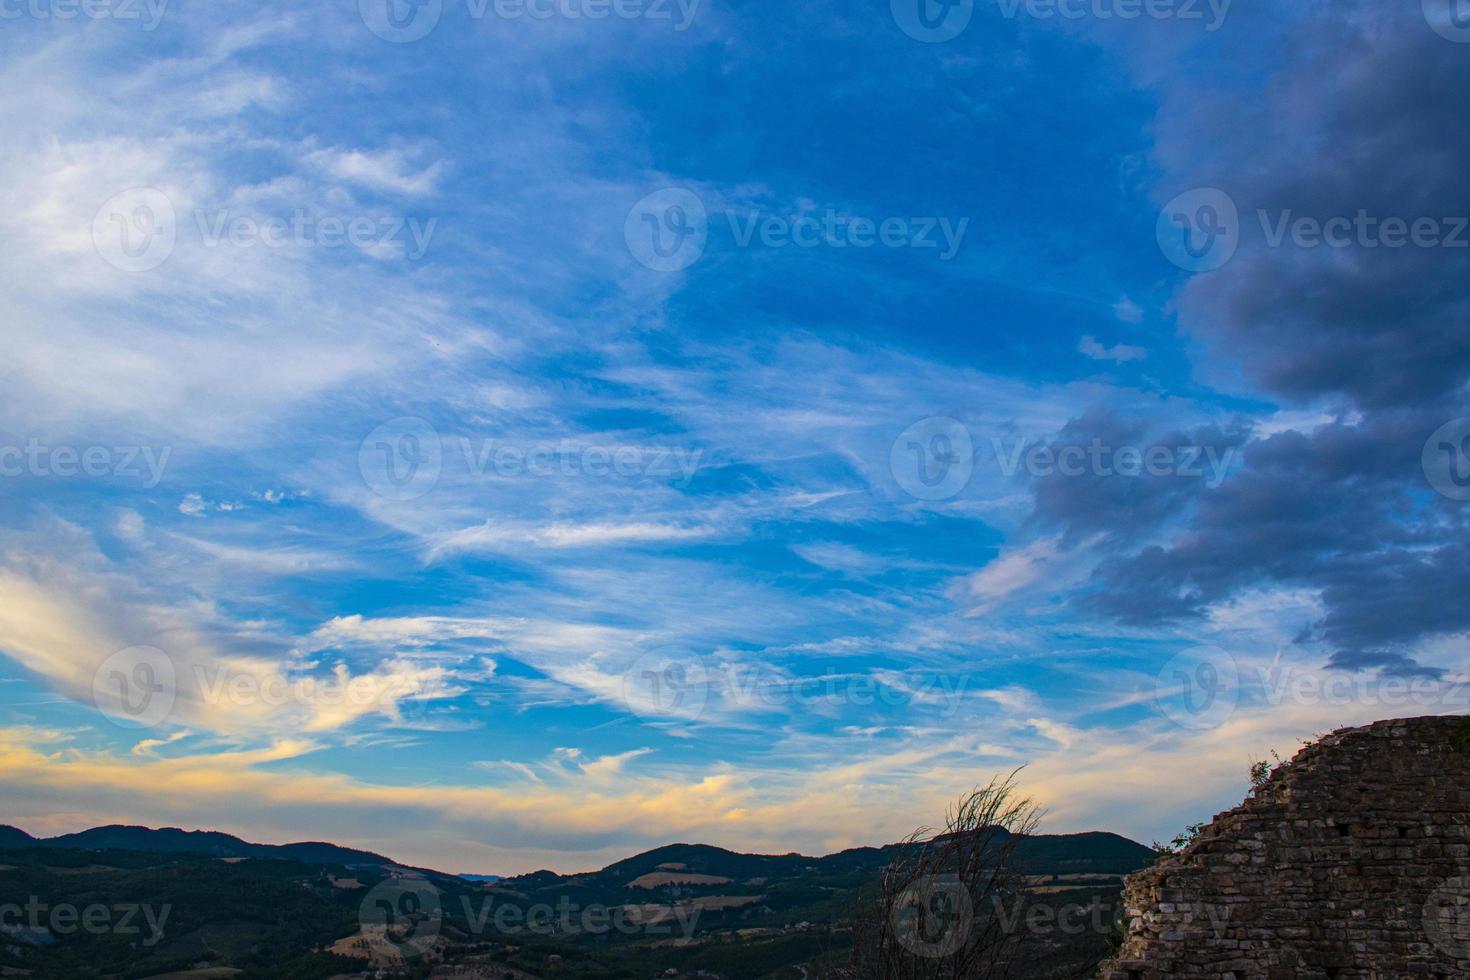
949 904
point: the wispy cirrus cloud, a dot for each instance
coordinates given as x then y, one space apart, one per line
783 558
385 170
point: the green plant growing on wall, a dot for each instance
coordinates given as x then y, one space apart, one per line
1262 770
1180 841
1461 738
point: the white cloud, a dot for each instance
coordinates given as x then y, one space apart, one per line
385 170
1118 353
274 560
1128 311
130 525
840 557
1011 572
500 536
407 631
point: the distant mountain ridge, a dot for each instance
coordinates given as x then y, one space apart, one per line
14 837
297 909
1094 852
173 840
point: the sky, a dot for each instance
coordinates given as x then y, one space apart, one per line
517 434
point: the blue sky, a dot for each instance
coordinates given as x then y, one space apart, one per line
353 413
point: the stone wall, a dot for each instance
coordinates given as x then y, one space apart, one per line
1352 863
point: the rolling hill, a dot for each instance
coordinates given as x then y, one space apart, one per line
172 840
231 908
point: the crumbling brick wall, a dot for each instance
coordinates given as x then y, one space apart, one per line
1352 863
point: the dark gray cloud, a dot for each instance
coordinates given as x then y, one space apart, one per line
1360 116
1127 477
1330 512
1360 113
